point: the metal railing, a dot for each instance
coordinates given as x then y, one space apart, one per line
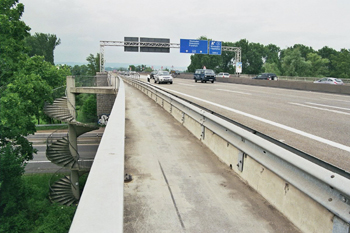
85 81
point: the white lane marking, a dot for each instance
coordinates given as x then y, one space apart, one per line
239 92
323 109
46 161
329 106
308 135
186 84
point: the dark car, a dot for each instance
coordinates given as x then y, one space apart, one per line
152 74
177 72
266 76
204 75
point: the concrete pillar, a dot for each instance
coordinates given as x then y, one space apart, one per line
70 80
104 102
72 136
74 176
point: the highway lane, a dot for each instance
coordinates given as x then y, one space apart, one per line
316 123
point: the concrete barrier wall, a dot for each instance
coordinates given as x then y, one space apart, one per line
101 207
283 186
296 85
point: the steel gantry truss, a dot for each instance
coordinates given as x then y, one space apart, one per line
237 50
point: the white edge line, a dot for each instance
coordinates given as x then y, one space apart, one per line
308 135
329 106
239 92
323 109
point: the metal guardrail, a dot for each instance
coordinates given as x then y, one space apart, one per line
326 187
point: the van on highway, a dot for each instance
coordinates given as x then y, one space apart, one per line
204 75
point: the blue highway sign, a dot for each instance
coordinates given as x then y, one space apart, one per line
193 46
215 47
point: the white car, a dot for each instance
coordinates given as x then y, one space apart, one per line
329 80
163 77
222 75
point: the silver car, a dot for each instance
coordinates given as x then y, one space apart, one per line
222 75
163 77
330 80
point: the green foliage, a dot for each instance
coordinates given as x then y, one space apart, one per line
86 108
94 64
25 83
319 65
79 70
148 69
12 34
13 195
271 68
38 214
293 64
43 45
132 68
341 63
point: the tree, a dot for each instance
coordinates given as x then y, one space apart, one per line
271 68
341 64
293 64
43 45
328 53
318 65
79 70
12 34
14 147
304 50
25 83
94 64
132 68
272 54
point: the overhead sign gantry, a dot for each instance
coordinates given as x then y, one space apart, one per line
163 45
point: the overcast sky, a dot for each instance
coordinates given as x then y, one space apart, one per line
82 24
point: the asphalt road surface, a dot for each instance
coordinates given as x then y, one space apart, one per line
313 122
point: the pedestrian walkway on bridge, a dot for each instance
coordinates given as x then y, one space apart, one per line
179 185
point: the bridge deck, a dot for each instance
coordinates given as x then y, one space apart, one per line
179 185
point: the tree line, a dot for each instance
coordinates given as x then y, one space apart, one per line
28 77
298 60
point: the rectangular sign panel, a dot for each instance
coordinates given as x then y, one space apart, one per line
131 48
155 49
239 67
193 46
215 47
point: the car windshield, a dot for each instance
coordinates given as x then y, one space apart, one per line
338 80
209 71
163 73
